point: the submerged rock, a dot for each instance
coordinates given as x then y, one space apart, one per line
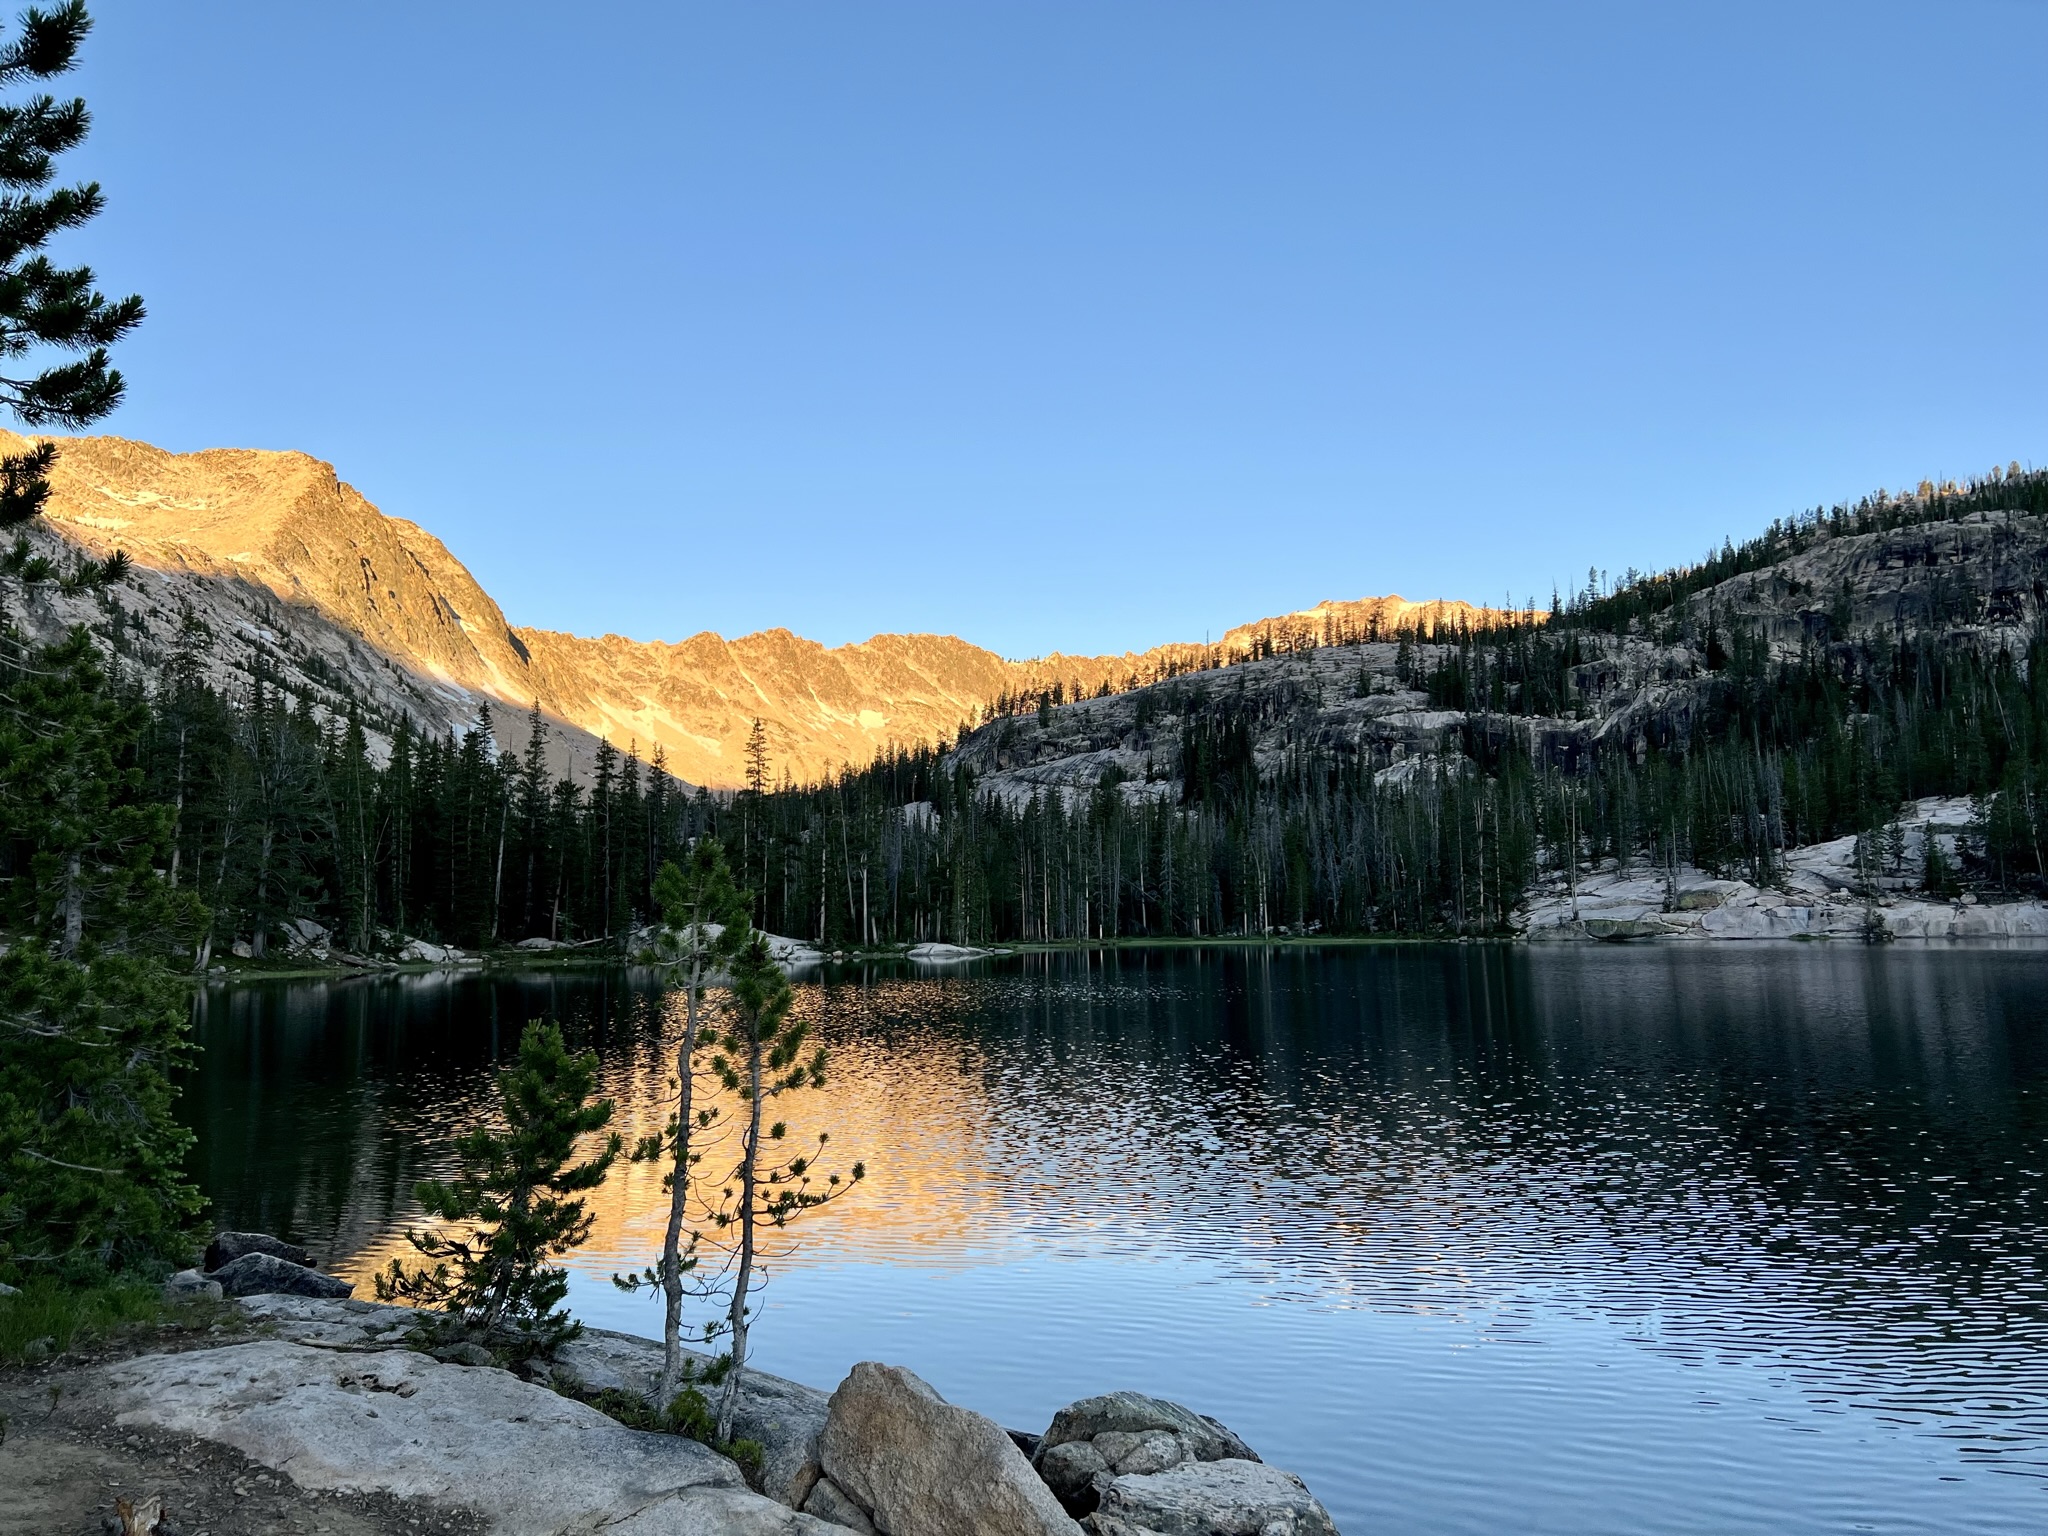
261 1274
917 1465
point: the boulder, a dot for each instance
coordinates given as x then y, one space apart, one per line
1231 1497
393 1421
831 1505
303 934
191 1285
9 1290
227 1247
917 1465
1133 1413
261 1274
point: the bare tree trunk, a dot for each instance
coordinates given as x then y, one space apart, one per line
498 876
743 1274
73 907
260 913
679 1193
178 812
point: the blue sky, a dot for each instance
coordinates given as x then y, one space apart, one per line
1076 326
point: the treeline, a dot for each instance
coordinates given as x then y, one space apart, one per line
275 816
280 814
1768 757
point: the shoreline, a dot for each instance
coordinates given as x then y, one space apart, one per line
1593 928
283 1412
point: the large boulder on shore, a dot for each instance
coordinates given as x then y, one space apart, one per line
1210 1498
264 1274
916 1465
227 1247
393 1421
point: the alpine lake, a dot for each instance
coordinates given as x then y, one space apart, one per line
1477 1239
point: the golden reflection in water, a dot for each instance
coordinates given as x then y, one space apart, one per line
918 1120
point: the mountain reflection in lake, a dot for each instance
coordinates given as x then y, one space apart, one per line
1475 1239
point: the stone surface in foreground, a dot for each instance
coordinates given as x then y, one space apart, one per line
393 1421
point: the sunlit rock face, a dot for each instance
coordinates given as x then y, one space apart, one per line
283 565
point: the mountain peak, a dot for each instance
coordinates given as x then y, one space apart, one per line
350 587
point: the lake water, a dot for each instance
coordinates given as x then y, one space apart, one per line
1478 1240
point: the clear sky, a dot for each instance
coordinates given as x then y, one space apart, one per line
1076 326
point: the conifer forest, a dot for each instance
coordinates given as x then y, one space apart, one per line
260 811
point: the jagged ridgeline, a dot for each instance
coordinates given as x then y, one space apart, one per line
1378 767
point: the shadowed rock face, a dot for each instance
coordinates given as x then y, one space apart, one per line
281 561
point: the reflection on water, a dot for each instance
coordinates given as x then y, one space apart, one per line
1477 1239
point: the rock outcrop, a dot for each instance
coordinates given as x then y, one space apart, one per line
917 1465
395 1421
1816 898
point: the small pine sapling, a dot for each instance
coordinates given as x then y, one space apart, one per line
706 917
761 1057
516 1203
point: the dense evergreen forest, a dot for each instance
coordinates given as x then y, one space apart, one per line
274 814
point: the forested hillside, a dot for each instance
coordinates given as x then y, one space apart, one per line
1405 779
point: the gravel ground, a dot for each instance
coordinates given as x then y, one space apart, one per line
63 1463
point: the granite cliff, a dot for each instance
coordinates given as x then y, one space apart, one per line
251 558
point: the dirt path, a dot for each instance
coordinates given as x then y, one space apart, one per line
63 1463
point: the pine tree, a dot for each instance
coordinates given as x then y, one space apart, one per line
93 1021
515 1204
45 307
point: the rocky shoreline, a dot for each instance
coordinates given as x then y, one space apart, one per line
1822 891
339 1397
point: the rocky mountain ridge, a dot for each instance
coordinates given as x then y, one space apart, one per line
1980 582
251 558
